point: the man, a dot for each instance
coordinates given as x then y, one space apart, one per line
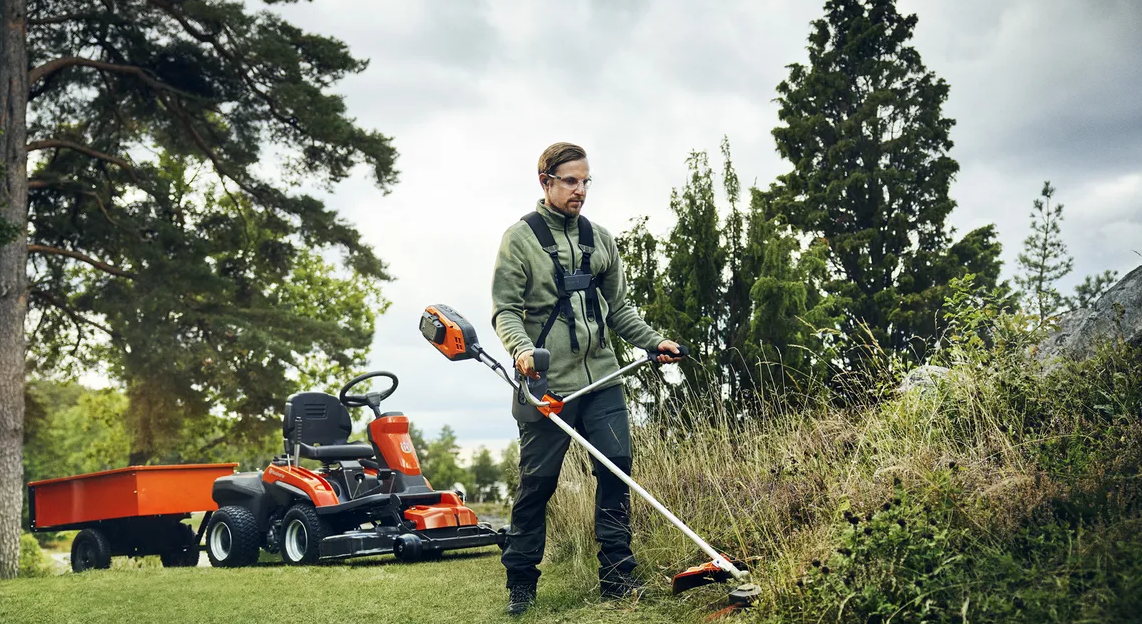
559 284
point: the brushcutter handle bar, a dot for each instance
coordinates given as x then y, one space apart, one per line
371 399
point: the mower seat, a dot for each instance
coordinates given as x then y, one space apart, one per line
319 425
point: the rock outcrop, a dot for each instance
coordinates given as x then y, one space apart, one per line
1117 314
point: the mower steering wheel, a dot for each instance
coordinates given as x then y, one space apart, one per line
373 398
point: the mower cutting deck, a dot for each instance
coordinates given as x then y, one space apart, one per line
365 499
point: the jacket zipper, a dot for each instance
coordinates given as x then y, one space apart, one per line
582 306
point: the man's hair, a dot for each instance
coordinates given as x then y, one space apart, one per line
558 154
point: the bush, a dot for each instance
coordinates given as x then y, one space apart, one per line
33 562
1007 492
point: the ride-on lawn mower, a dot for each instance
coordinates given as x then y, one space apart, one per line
455 337
311 515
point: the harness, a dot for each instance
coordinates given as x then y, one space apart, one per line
567 283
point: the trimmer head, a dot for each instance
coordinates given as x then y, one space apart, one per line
745 595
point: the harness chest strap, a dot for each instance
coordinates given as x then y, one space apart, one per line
563 305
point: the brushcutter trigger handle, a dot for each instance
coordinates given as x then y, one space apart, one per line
542 359
652 354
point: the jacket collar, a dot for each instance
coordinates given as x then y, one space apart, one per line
554 220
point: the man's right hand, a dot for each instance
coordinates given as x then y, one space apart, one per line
525 364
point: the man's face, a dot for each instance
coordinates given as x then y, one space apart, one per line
566 190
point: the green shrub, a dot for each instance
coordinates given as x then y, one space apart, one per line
903 562
149 562
1008 491
33 562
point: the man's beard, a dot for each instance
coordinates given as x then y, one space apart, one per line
566 209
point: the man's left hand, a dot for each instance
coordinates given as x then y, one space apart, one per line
672 347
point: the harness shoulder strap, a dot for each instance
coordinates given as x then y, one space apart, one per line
542 232
539 227
586 233
587 245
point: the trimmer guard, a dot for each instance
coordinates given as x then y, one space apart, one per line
704 574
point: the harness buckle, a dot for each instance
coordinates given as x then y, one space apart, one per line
576 281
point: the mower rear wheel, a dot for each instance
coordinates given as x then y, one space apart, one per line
232 537
302 532
90 550
185 551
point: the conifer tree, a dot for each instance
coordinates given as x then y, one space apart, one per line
788 305
694 306
485 475
735 329
509 468
1044 259
863 127
1091 288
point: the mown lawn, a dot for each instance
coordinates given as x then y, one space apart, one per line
461 587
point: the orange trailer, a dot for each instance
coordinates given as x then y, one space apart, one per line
134 511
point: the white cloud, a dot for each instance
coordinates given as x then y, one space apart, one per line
471 92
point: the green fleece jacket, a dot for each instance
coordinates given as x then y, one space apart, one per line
524 293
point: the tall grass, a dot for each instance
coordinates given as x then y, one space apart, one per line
981 496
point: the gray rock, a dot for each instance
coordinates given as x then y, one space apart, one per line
926 376
1117 314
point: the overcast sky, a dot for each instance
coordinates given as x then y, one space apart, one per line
472 92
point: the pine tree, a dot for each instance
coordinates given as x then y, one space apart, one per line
788 306
440 462
1091 288
509 468
1044 259
485 474
693 306
863 127
738 305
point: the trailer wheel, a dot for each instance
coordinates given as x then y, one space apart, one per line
187 553
232 538
302 532
90 550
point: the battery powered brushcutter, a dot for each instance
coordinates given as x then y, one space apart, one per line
455 337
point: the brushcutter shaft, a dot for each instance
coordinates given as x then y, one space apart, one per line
619 373
719 560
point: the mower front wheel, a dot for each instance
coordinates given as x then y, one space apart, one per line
408 548
232 539
302 532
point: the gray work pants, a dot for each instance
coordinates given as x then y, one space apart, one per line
602 418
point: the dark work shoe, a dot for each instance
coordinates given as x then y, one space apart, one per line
619 584
520 599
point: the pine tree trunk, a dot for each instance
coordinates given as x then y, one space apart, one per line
13 267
